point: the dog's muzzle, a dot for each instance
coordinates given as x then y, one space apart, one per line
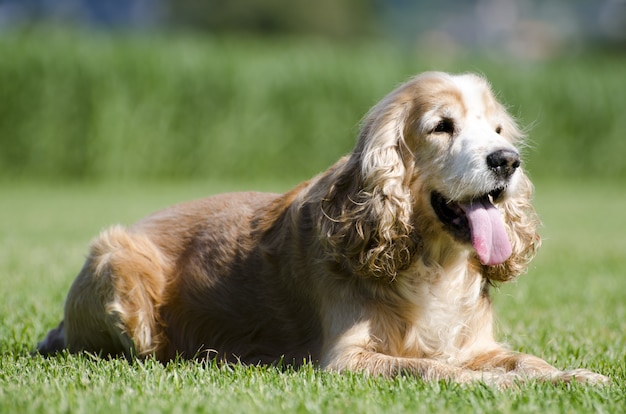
476 221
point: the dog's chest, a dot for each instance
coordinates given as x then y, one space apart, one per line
440 315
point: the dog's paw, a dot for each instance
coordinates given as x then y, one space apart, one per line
582 376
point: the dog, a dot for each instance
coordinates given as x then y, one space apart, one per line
382 264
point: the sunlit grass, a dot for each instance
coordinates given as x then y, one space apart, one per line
570 309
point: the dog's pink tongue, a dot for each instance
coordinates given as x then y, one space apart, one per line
489 236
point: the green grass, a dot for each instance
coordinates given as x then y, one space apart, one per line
569 309
78 105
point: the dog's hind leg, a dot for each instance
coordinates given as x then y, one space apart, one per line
112 307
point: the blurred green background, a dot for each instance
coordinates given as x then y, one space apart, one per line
272 89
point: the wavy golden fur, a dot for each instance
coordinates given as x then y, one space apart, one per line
382 264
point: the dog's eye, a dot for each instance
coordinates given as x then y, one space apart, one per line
444 126
498 129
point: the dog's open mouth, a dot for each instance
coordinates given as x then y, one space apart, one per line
478 222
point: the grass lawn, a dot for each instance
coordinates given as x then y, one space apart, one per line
569 309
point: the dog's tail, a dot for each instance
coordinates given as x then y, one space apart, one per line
53 342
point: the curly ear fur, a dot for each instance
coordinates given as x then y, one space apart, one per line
366 221
522 222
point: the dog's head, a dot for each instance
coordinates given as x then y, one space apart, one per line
436 164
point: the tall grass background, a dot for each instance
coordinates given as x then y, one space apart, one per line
91 106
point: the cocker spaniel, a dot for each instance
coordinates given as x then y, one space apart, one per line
382 264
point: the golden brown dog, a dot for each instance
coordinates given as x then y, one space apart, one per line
381 264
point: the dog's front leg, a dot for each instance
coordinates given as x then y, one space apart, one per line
532 367
351 346
375 363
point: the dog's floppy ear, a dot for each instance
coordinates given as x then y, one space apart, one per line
521 221
366 220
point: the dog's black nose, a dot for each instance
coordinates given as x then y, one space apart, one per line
503 162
